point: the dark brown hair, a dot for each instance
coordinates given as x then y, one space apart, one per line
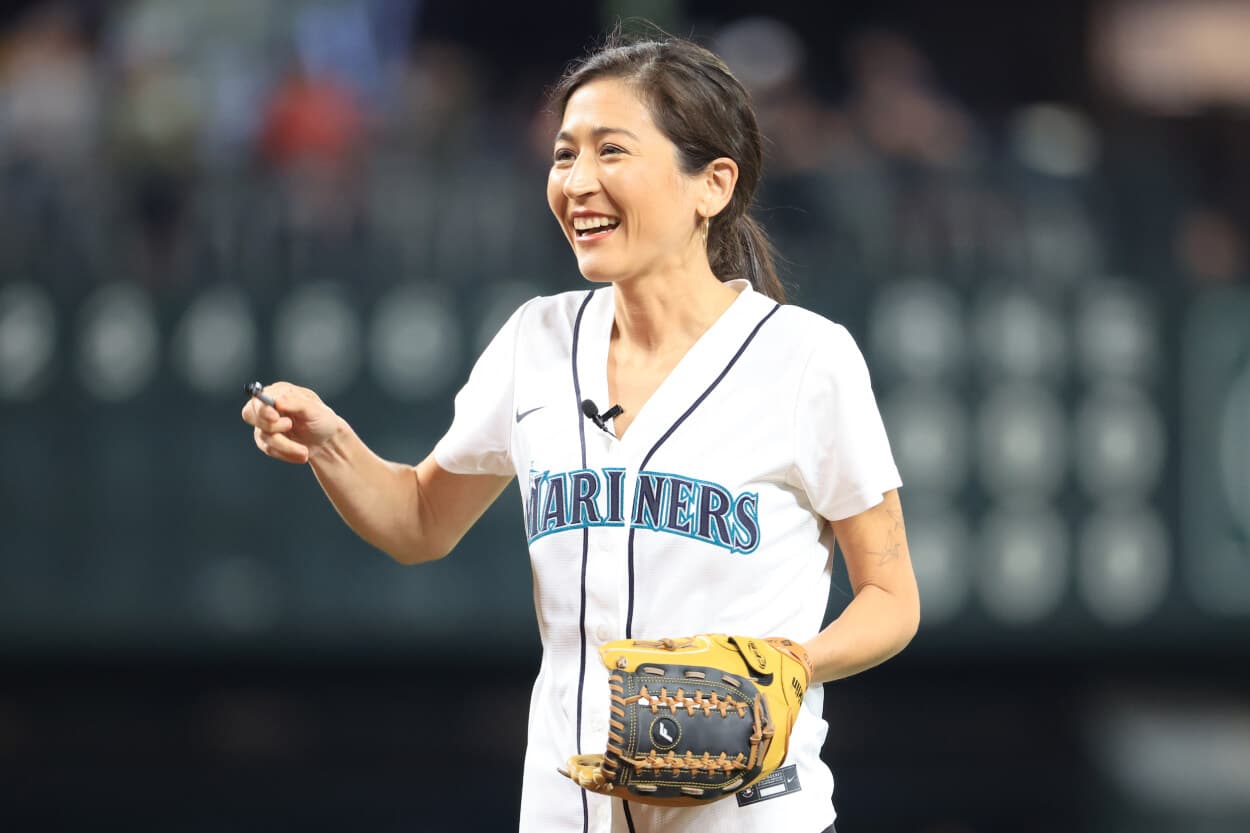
706 112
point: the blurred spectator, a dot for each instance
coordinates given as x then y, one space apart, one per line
157 117
898 107
806 135
313 141
48 96
920 198
311 121
443 107
49 115
1210 247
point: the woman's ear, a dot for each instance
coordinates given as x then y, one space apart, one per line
719 178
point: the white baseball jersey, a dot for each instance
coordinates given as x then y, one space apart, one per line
707 516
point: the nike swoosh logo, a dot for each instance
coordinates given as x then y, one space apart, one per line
520 415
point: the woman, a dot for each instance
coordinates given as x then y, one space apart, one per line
743 438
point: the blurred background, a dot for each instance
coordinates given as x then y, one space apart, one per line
1032 217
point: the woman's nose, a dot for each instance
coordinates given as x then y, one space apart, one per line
582 179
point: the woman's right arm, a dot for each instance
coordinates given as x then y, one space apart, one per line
412 513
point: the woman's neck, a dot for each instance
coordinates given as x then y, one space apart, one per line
660 314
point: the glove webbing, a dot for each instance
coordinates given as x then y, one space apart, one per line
690 704
761 735
689 762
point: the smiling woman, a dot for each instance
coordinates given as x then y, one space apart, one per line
628 210
743 441
675 109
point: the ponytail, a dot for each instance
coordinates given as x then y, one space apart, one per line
744 251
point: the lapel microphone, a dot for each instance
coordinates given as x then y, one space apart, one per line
591 410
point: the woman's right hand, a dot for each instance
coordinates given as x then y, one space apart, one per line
296 427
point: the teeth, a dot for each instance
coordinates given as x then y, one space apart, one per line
588 223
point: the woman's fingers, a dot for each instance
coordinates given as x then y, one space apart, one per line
260 415
297 421
288 401
270 426
280 446
272 421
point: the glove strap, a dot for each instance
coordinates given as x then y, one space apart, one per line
794 649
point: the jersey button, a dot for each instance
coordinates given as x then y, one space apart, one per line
603 633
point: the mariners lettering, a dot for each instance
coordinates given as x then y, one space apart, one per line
697 509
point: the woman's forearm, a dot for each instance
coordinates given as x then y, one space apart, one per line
378 499
875 626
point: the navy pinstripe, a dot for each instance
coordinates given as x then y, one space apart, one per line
581 622
629 619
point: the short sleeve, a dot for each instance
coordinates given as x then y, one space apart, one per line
841 449
479 440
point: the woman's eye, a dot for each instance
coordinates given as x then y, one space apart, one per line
563 155
611 149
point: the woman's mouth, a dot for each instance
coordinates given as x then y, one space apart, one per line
594 228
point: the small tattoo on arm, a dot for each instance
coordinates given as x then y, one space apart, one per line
893 539
886 555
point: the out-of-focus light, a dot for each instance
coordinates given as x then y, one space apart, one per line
1215 452
1023 442
1054 140
940 555
1219 575
408 602
1060 237
235 89
498 302
917 328
1115 331
118 342
1024 564
1218 572
1184 754
1235 451
1174 58
1119 444
150 33
317 339
1210 246
414 342
215 342
762 51
28 332
1124 564
928 432
1019 335
236 593
337 41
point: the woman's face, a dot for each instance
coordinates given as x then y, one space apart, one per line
616 188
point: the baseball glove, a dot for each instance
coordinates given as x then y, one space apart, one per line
695 719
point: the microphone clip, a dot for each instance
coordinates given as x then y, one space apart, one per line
591 411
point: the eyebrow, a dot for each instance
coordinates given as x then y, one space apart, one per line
598 132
